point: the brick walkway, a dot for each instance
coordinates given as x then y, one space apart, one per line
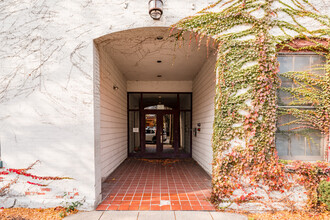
141 184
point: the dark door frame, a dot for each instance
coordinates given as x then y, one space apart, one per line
176 111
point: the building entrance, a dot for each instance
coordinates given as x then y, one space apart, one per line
159 125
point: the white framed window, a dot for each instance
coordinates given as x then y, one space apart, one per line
293 143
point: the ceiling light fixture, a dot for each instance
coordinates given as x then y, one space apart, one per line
156 9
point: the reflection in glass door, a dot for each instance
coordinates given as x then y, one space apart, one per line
150 133
185 132
159 133
167 137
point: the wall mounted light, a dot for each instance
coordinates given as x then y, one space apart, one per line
115 87
155 9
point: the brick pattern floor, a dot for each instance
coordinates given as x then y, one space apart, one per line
141 184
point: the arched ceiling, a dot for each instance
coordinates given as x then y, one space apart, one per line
144 53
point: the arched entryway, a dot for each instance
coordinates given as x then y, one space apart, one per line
154 99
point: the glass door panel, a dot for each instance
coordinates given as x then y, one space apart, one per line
150 133
185 132
160 133
159 101
167 137
134 132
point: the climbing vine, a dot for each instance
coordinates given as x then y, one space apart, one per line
248 34
309 175
35 179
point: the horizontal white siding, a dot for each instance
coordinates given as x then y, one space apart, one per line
203 112
113 133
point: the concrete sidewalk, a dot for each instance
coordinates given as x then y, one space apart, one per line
156 215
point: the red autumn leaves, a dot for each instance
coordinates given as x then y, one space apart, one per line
23 172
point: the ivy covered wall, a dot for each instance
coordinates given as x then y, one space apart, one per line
249 35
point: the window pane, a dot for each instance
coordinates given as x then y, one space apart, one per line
151 132
292 142
317 64
284 98
285 63
302 63
134 100
282 141
296 63
282 121
185 101
297 145
159 101
314 144
134 132
185 131
167 134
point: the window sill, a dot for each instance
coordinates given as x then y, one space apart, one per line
303 158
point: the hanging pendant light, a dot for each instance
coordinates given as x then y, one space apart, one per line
160 105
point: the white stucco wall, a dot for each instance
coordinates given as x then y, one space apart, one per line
203 113
49 101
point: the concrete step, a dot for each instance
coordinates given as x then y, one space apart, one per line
155 215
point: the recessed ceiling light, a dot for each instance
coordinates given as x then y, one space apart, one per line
159 76
160 38
159 61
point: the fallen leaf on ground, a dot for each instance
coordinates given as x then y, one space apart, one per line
286 215
56 213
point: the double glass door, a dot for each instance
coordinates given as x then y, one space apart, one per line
159 125
160 133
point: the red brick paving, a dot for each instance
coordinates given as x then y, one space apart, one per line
139 184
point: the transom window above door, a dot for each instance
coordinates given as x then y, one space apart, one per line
159 101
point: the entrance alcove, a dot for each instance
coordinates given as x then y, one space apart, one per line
154 98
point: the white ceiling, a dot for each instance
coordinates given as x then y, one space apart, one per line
136 52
